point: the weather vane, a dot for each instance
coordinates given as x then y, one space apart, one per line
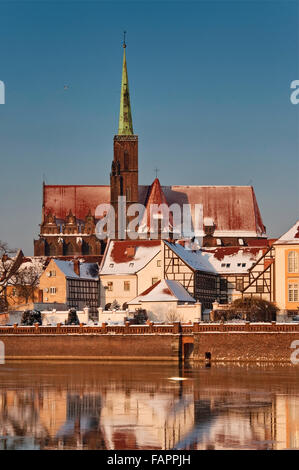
124 43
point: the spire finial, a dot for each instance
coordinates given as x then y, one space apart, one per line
124 43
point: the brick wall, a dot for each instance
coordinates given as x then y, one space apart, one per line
154 347
234 346
224 342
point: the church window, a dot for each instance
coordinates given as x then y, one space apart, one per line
293 262
126 160
128 194
293 292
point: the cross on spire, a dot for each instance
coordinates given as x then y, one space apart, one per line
124 43
156 170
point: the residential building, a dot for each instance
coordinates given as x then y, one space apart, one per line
73 283
127 269
287 271
167 301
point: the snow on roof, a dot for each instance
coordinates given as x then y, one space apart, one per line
87 270
220 260
234 209
156 201
290 237
129 256
164 291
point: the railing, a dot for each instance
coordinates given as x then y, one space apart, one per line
151 328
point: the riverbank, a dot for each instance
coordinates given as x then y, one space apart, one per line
209 342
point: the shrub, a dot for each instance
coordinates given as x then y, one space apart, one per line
250 309
30 317
72 318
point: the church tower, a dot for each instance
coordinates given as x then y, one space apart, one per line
124 170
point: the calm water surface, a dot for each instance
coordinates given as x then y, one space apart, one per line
88 405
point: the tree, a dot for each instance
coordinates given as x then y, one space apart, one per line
6 250
6 271
173 315
250 309
26 281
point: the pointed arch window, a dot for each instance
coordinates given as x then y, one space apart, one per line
293 262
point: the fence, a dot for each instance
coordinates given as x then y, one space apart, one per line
150 328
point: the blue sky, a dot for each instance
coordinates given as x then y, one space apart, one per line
210 94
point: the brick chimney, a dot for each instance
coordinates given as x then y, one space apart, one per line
76 264
130 251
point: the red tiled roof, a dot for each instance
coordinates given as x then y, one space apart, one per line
120 252
157 197
232 208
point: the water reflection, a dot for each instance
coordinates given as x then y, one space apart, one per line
140 406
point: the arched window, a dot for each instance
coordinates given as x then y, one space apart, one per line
293 262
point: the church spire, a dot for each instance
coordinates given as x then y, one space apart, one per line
125 126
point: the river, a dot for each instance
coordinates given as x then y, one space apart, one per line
96 405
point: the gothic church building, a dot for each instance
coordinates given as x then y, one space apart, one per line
231 215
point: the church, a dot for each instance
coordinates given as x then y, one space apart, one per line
230 214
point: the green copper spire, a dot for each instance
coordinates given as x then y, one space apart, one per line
125 126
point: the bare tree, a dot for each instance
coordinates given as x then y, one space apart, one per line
6 250
25 282
172 315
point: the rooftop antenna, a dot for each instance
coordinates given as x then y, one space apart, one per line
124 43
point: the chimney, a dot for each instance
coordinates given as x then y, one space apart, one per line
130 252
76 264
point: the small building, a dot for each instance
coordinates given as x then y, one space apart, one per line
74 283
210 274
167 301
287 271
128 268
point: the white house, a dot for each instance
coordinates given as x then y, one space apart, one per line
167 301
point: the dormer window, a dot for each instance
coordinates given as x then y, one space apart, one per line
131 265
